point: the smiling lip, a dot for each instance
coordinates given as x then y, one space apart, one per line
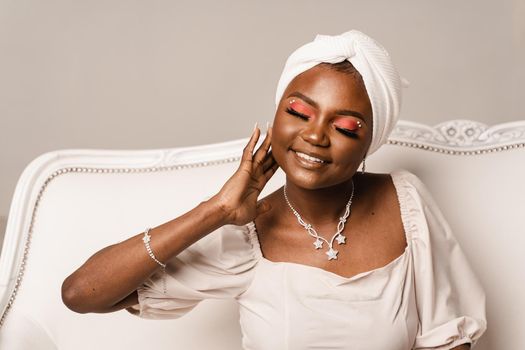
307 163
313 154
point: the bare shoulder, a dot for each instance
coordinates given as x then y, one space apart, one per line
379 188
381 208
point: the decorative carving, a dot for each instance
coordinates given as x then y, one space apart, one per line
459 136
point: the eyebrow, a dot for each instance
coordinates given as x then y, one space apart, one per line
308 100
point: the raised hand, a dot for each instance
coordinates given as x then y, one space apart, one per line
238 196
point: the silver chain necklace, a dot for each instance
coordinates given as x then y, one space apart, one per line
332 253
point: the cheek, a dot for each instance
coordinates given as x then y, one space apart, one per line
282 130
279 137
282 139
349 157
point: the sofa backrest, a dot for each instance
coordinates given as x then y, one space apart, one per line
69 204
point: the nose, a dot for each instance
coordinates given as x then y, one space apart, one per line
315 134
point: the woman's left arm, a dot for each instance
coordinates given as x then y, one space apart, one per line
449 296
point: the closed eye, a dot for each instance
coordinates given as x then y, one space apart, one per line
297 114
345 132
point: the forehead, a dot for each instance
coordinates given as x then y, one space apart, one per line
332 90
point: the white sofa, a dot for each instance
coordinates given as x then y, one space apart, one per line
69 204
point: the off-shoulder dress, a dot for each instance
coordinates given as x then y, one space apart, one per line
427 298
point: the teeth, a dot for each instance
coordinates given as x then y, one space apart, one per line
307 157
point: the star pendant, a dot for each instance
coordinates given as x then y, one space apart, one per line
332 254
146 238
318 244
340 239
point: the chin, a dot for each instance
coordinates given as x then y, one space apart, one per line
307 181
311 180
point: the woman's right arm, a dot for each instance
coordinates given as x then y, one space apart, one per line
108 280
115 272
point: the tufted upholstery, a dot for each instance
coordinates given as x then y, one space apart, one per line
69 204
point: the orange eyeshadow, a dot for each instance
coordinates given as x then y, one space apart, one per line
301 108
346 123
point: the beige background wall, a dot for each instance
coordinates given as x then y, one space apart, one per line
153 74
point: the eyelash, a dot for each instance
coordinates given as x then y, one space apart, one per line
303 117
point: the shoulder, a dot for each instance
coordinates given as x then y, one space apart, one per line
411 188
375 188
395 193
405 177
398 184
375 194
384 181
405 187
374 180
378 208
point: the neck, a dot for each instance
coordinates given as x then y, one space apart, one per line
322 206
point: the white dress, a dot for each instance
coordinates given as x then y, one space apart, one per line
428 297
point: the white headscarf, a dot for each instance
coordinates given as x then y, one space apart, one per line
382 81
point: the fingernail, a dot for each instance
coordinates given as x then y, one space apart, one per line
255 126
267 126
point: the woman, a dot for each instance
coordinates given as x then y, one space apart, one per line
389 276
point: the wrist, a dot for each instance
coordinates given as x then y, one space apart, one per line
218 209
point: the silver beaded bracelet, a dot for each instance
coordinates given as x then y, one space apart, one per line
147 239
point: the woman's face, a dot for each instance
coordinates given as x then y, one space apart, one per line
327 114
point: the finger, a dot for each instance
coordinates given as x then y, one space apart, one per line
247 152
263 149
268 161
262 152
261 166
270 172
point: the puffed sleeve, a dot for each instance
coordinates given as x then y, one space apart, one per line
218 266
450 299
